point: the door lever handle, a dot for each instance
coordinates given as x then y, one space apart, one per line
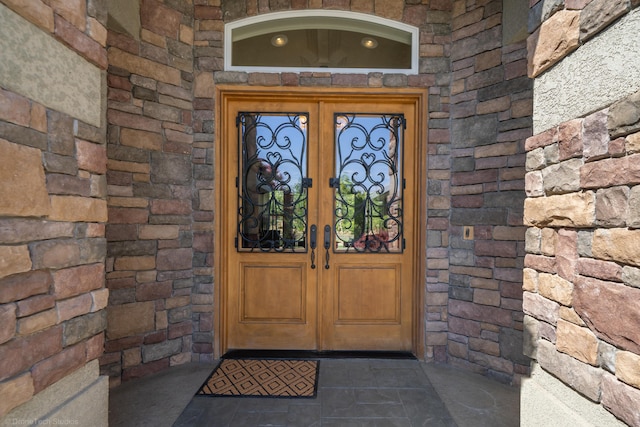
327 244
312 242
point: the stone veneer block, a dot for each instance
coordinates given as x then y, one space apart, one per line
555 288
577 341
530 279
609 172
556 38
609 309
35 65
583 378
534 184
617 244
628 368
130 319
540 307
562 177
533 240
566 210
570 90
14 259
79 399
144 67
611 206
633 214
624 118
595 135
78 209
21 193
598 14
78 280
15 392
7 326
621 399
123 15
203 86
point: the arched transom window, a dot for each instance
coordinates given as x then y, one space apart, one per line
321 40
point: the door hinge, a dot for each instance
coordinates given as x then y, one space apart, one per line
237 182
404 183
404 244
334 182
235 242
404 123
307 182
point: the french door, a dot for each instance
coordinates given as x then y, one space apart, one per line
318 222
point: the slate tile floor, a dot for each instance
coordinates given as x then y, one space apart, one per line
351 392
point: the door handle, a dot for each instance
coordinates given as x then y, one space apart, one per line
312 242
327 244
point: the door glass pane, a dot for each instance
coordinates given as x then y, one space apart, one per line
318 48
272 187
321 40
369 183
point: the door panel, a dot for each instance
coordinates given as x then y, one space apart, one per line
367 295
274 294
271 286
336 165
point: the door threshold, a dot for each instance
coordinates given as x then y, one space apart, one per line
314 354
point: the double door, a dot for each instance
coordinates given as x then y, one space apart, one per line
319 221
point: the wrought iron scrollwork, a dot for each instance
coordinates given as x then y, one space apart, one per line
369 185
273 202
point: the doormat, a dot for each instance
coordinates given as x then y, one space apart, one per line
262 378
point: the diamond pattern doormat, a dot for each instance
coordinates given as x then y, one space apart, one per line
262 377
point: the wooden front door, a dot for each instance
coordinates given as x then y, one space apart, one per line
319 217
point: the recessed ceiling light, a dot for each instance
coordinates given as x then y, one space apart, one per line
279 40
369 42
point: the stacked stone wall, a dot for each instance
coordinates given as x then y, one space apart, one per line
433 20
491 107
161 188
582 268
53 206
159 238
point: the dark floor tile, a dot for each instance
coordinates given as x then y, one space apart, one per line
422 403
245 419
400 377
273 419
262 404
377 396
433 422
345 373
367 422
343 403
206 411
304 416
188 418
351 392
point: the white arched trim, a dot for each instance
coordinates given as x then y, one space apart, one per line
320 19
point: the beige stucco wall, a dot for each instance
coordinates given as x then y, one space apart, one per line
79 399
547 401
598 73
35 65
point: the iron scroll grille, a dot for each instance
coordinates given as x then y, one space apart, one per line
272 188
368 186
